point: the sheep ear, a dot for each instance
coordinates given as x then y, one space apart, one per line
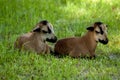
36 30
90 28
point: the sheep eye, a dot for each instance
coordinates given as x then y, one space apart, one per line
44 31
97 32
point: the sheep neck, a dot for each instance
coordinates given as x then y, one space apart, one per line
90 41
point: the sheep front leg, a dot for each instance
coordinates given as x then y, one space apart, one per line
74 53
47 49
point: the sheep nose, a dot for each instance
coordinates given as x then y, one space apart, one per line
55 39
106 41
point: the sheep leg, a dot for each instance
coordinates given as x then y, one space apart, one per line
48 49
74 53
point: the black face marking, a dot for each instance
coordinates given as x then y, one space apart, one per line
49 31
97 32
44 22
52 40
104 41
98 24
44 31
101 31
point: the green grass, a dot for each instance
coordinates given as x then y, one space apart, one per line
70 18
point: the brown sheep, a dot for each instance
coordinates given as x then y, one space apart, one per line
81 46
35 40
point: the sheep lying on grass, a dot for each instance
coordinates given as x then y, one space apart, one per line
36 40
81 46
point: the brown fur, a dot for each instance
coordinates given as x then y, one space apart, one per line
34 41
78 46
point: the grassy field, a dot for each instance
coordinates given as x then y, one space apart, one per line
69 18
